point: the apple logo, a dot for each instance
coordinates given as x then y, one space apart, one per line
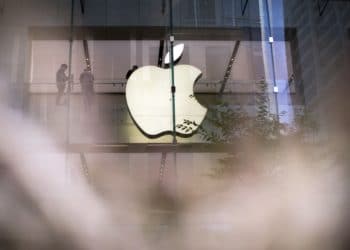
149 98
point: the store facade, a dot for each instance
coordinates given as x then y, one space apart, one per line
258 70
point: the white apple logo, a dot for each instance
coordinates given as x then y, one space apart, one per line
148 96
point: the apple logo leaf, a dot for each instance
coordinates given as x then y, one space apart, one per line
177 53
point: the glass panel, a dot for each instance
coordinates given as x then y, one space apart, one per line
258 101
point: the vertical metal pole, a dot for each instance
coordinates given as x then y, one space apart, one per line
70 51
163 7
82 6
272 59
173 88
323 8
229 68
244 7
195 13
69 83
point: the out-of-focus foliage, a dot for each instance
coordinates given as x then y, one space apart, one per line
232 125
226 123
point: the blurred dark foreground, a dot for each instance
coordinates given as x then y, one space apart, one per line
300 203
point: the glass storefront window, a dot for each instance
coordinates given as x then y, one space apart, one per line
268 113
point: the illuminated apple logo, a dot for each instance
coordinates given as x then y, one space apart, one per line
148 96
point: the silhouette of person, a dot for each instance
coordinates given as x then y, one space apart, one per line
87 87
61 80
130 71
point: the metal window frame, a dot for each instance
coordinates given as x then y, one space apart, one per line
244 6
322 8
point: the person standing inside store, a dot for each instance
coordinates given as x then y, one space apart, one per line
61 81
87 87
